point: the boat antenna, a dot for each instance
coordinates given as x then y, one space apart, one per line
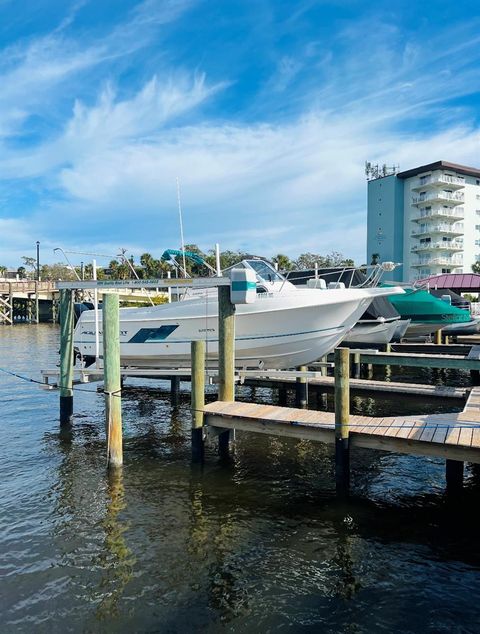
217 260
181 226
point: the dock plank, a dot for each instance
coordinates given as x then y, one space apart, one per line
441 435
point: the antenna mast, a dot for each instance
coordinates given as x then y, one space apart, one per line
181 227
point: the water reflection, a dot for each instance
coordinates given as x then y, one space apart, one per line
116 559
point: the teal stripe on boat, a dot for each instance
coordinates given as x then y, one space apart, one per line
243 286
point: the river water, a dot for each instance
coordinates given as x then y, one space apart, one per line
259 544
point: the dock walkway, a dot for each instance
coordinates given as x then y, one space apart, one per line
449 436
368 385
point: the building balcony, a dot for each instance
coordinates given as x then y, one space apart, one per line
452 263
439 180
442 197
437 246
449 230
441 213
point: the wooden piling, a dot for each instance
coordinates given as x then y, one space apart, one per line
342 414
112 383
198 398
282 396
323 368
10 301
438 337
226 356
356 365
174 390
454 475
66 357
301 389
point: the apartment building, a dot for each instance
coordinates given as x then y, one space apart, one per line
427 218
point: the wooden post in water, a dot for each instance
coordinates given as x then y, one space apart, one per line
10 301
226 356
342 415
66 356
356 365
301 389
198 398
454 475
174 390
112 382
282 396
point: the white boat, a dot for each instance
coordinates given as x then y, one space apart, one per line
285 327
402 327
369 332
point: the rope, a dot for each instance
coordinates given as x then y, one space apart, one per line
58 386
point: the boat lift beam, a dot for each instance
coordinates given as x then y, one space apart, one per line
165 282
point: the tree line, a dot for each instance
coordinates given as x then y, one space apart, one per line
149 267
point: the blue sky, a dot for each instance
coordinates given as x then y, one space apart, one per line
266 110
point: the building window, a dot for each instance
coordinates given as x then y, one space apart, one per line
446 270
477 243
477 182
477 227
478 196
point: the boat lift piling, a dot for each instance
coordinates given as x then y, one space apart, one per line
226 358
301 389
198 399
342 415
112 380
66 357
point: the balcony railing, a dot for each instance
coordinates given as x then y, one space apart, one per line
457 213
448 229
443 261
455 197
440 179
435 246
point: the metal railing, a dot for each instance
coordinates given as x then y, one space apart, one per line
451 229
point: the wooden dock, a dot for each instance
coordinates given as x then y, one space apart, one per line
449 436
23 300
366 385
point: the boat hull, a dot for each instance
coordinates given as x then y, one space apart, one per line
277 331
370 333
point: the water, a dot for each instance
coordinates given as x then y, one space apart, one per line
258 545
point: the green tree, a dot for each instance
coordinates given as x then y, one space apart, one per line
58 271
375 259
3 270
308 261
476 267
283 261
22 273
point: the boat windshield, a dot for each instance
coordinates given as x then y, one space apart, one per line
264 271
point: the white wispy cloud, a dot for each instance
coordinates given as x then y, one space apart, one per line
284 175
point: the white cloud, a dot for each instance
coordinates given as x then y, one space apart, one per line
267 184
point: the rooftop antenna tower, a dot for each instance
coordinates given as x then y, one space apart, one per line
372 172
